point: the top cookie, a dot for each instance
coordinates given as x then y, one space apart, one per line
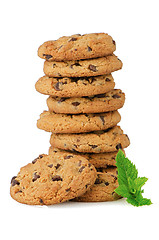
77 47
52 179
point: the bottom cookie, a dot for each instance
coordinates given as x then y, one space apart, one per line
99 160
103 189
52 179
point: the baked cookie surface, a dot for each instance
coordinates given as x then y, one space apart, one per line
63 123
106 102
77 47
75 87
103 188
99 160
52 179
82 68
109 140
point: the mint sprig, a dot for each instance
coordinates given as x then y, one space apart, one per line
129 183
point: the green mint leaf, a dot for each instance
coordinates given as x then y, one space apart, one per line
126 169
140 181
129 183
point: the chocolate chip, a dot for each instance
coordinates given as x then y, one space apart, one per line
106 183
34 161
76 64
35 177
89 164
100 95
97 181
115 96
68 157
41 201
114 42
50 165
102 118
57 166
20 191
62 99
92 68
57 86
47 56
79 163
81 169
75 104
72 39
107 80
14 181
118 146
57 178
89 49
93 146
68 189
115 178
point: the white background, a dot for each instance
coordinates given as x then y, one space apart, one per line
24 26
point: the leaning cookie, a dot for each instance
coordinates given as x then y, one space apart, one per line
82 68
52 179
99 160
75 87
109 140
106 102
103 188
77 47
63 123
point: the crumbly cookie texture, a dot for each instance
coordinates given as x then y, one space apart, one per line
103 188
75 87
63 123
52 179
77 47
82 68
99 160
106 102
109 140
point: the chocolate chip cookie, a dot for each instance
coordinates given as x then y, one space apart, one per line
82 68
75 87
103 188
52 179
77 47
106 102
109 140
99 160
64 123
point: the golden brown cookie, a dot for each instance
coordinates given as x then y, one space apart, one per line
82 68
103 188
75 87
109 140
52 179
68 123
77 47
106 102
99 160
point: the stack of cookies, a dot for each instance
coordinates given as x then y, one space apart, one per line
83 105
